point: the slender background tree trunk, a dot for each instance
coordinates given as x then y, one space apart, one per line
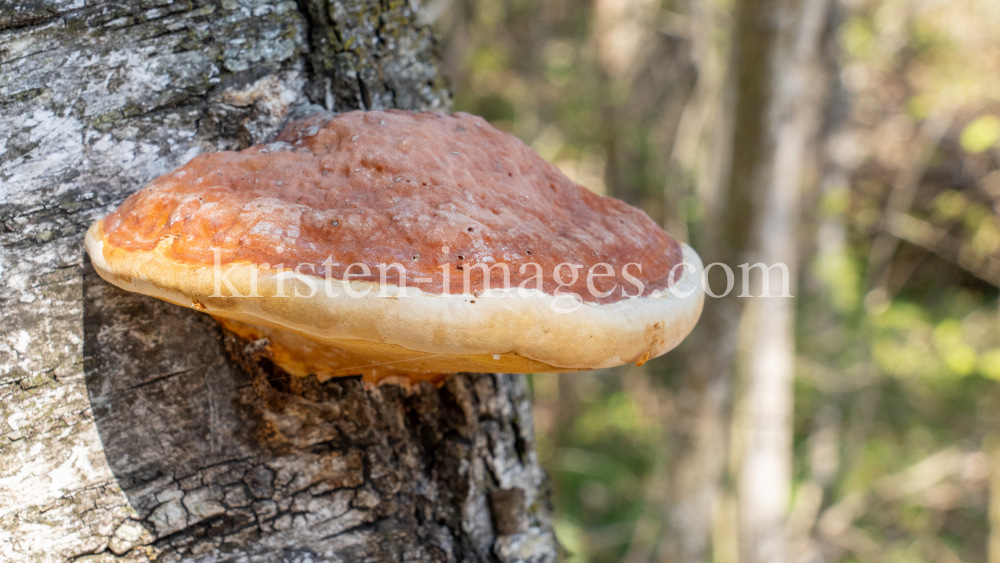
764 423
732 443
133 428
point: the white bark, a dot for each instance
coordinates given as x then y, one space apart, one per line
126 428
765 424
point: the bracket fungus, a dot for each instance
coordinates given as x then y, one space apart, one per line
404 245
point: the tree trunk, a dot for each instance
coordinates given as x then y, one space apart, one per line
776 176
133 428
776 105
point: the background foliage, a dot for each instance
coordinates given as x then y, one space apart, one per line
897 414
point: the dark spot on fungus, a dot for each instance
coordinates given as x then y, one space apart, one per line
461 257
335 223
471 229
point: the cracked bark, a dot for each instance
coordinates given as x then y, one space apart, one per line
134 429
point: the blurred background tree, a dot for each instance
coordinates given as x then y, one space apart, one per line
856 141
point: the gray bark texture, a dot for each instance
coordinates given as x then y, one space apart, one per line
132 429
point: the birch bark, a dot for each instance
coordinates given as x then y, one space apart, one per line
127 430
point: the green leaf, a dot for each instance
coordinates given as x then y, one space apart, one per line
981 134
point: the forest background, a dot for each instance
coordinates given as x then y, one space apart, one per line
887 439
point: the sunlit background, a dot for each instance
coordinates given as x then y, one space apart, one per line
895 437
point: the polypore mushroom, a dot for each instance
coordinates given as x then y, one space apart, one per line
376 243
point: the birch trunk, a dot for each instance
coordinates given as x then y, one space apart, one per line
127 428
790 99
751 218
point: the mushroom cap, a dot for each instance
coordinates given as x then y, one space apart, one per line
275 241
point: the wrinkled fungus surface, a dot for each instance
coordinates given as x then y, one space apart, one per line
423 190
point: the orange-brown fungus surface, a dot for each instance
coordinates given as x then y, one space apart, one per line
423 190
